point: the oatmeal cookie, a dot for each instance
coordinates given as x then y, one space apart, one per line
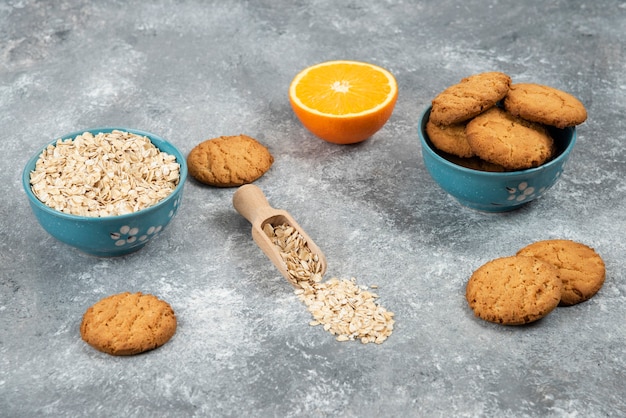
514 143
544 104
128 323
229 161
450 139
470 97
514 290
581 268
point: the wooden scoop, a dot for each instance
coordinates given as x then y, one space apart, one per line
252 204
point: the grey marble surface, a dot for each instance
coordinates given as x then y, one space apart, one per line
193 70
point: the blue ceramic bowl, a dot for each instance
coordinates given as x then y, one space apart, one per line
112 235
495 191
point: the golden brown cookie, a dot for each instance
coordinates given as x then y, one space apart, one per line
514 290
229 161
468 98
128 323
449 138
514 143
581 268
543 104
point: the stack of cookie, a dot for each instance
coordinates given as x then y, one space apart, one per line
528 286
487 123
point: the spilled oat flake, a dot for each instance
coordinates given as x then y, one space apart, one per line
345 309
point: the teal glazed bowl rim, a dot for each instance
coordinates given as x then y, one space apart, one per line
37 205
565 141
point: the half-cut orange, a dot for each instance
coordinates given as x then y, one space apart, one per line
343 102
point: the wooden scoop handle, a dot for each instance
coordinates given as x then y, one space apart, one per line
252 204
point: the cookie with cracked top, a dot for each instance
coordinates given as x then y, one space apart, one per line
581 268
128 323
470 97
544 104
514 143
229 161
449 138
514 290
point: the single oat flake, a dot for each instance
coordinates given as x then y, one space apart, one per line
107 174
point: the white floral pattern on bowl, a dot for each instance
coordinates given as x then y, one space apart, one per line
127 234
524 191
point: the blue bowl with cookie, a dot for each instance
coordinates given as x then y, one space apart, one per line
105 191
491 185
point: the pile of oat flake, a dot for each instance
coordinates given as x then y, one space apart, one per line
106 174
345 309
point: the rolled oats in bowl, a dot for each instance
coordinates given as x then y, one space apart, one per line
106 191
106 174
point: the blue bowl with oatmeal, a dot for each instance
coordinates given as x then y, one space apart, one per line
469 182
106 191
